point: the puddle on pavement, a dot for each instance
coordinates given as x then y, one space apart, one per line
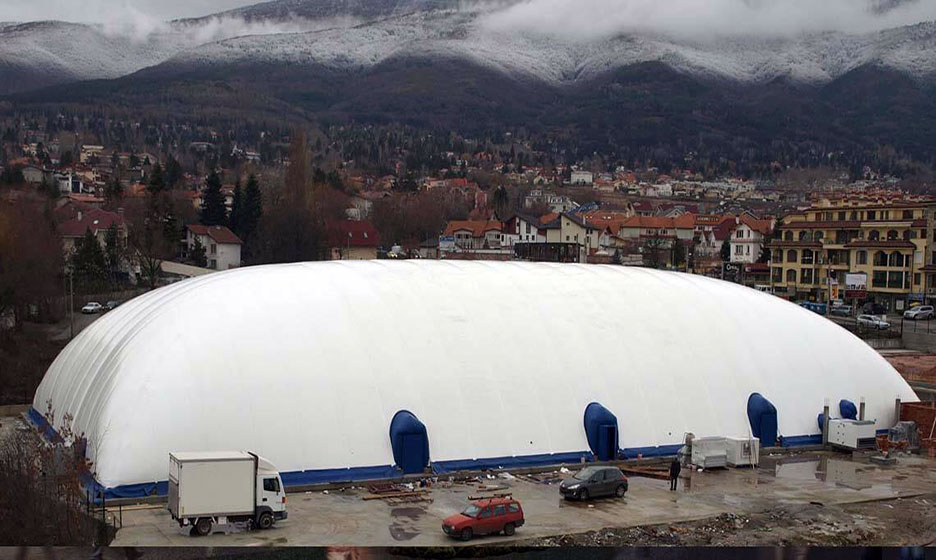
403 522
838 472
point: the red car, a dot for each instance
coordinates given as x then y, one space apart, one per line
485 517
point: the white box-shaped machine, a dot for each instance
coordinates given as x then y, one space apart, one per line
709 452
742 451
852 434
212 484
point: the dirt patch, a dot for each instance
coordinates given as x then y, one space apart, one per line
898 522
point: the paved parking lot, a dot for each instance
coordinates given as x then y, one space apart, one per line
342 517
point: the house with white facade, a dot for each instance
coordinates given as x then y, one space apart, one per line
748 239
222 246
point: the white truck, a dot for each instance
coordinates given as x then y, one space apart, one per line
207 488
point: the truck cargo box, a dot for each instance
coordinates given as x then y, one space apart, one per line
212 484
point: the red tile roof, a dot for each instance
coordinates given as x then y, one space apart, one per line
477 227
220 234
76 221
686 221
763 227
345 233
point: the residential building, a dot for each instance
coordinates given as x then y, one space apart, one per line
222 246
75 219
889 245
582 178
353 240
748 239
472 235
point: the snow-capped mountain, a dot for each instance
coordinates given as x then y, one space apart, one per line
355 35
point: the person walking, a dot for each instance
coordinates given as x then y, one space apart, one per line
674 469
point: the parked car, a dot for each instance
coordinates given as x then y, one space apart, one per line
921 312
872 322
872 308
591 482
111 305
840 310
485 517
92 307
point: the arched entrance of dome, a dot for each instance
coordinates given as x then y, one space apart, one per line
410 443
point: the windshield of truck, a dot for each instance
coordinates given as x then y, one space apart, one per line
471 511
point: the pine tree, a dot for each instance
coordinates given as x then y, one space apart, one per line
112 250
237 209
157 182
113 192
249 218
213 212
198 256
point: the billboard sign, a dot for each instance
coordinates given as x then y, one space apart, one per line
856 285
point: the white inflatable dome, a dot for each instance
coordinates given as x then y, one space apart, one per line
307 364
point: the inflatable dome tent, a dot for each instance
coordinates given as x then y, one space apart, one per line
339 371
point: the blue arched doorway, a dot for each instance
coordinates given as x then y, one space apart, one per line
763 417
601 430
410 443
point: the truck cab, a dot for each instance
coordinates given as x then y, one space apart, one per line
207 488
271 496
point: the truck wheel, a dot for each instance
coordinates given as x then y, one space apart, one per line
466 534
619 491
509 529
203 526
265 521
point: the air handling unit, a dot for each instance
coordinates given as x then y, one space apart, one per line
852 434
742 452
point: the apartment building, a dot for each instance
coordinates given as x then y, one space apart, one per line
887 245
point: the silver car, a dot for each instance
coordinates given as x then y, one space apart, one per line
922 312
872 322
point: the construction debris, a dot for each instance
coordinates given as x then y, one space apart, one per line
385 495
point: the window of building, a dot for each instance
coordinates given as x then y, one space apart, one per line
917 278
862 257
791 276
874 235
908 214
528 228
841 216
807 257
818 236
854 215
895 279
214 249
739 234
892 235
747 250
880 258
788 235
777 274
879 279
778 256
737 249
806 275
804 236
872 215
896 259
791 256
909 234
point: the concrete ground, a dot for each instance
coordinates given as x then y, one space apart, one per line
342 517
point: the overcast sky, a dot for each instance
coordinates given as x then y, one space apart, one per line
588 19
99 11
582 19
